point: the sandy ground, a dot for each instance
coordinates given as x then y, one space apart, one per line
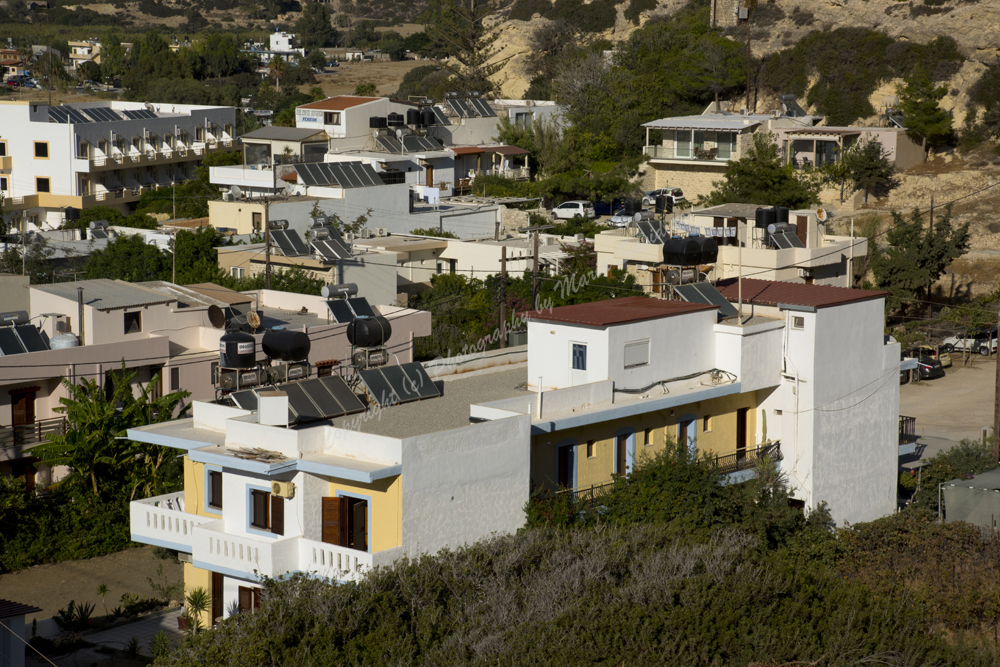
52 586
956 406
385 75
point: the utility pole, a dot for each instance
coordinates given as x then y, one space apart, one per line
265 201
173 192
503 298
996 405
534 268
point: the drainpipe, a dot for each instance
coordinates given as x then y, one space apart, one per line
79 303
539 402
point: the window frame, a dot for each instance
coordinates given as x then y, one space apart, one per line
706 423
213 504
635 344
136 317
38 185
3 148
573 356
331 118
45 144
253 494
798 322
591 449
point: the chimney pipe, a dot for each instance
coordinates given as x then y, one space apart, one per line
79 303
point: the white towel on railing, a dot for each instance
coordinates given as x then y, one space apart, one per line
180 503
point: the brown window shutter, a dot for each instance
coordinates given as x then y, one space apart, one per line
260 507
216 479
246 599
361 525
256 598
331 521
277 515
218 593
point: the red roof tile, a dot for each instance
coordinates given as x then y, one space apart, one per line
617 311
771 293
8 609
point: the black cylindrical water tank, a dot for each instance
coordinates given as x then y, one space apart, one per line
709 250
72 213
427 116
369 331
237 350
764 217
631 208
383 122
682 251
373 122
661 204
395 119
781 213
413 116
285 345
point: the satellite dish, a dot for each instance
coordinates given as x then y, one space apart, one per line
375 132
821 214
289 189
217 317
236 191
637 217
399 133
253 319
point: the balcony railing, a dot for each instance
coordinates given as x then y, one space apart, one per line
907 430
162 520
695 154
745 459
13 439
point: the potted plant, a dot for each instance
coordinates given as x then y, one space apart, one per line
196 603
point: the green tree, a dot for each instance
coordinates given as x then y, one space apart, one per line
315 27
461 28
197 259
430 231
33 260
866 166
915 258
128 258
759 177
316 59
95 419
365 90
919 101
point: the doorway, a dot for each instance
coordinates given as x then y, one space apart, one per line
624 453
741 433
578 364
687 434
565 466
22 408
345 522
430 176
218 603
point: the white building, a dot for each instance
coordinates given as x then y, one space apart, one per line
100 153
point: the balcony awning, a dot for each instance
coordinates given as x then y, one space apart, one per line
476 150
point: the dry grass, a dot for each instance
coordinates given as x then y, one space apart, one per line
385 75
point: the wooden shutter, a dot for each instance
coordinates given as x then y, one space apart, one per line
260 507
215 478
277 515
218 592
246 599
332 521
361 525
256 598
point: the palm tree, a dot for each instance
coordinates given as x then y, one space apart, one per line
277 67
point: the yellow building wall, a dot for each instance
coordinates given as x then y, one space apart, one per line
195 577
652 430
386 509
194 489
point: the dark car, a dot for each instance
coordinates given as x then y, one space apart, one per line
608 208
928 368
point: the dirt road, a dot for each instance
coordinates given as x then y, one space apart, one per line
51 587
956 406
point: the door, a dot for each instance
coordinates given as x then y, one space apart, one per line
578 364
741 433
218 601
22 408
257 222
564 467
332 521
802 229
624 453
359 525
430 176
687 435
249 599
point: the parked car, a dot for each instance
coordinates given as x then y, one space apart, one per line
675 194
619 219
981 342
571 209
934 353
608 208
927 368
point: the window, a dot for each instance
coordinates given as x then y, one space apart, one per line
648 440
726 145
637 353
229 129
331 118
133 322
579 357
523 119
706 423
215 489
199 134
42 185
798 323
682 146
42 150
345 522
156 388
3 184
249 599
260 510
175 378
215 371
439 268
3 149
236 271
83 150
591 449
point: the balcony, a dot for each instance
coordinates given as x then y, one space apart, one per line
162 521
6 163
696 154
907 435
14 440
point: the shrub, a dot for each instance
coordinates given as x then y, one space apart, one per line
636 7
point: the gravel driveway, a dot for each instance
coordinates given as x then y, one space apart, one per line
956 406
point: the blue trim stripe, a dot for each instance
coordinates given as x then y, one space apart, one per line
176 546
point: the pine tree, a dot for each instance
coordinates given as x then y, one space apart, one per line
459 27
924 118
759 177
867 167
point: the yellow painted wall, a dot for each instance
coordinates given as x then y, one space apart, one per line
195 577
386 511
194 489
719 439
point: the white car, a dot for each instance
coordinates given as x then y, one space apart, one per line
982 342
571 209
675 194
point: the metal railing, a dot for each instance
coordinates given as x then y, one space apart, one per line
590 493
907 430
744 459
26 435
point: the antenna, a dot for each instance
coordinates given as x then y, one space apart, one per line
236 191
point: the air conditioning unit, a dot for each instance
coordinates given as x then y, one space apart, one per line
283 489
381 232
227 197
805 273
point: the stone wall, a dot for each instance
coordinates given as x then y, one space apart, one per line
695 179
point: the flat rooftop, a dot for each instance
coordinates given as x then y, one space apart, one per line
450 411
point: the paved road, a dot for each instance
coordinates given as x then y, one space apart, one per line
144 630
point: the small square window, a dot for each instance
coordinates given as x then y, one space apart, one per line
706 423
133 322
331 118
798 323
777 412
175 379
3 149
42 185
591 449
42 149
648 437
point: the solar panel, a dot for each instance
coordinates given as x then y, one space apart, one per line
342 313
10 343
300 246
348 400
344 176
313 174
331 249
419 144
461 108
781 241
31 339
378 388
284 243
652 230
421 380
482 108
360 306
75 116
439 117
300 403
98 234
102 114
246 400
390 144
323 399
58 114
795 240
403 386
138 114
707 294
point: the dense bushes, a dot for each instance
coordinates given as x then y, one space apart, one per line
596 16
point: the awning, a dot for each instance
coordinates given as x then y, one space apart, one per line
502 150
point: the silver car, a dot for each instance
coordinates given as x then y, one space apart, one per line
675 194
